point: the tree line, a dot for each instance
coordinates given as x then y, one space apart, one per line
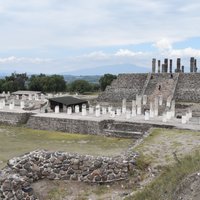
52 83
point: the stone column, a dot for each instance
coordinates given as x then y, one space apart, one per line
109 109
195 65
182 69
133 108
97 111
21 104
153 65
156 106
1 105
184 119
170 66
91 110
104 110
169 102
146 115
112 114
128 114
163 68
123 106
4 103
166 65
119 111
57 109
151 110
192 64
84 110
17 97
160 100
77 109
158 66
178 69
69 110
144 100
139 104
173 108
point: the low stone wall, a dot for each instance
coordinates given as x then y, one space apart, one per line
21 172
65 125
14 118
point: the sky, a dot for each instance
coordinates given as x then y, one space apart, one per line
72 36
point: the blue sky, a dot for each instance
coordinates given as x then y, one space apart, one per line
55 36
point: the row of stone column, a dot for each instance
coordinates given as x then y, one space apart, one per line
167 67
11 104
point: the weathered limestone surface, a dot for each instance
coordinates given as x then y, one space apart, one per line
14 118
181 86
126 86
188 87
21 172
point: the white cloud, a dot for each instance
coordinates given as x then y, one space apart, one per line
13 59
127 53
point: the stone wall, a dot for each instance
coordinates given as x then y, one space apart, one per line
65 125
14 118
188 87
182 86
21 172
125 86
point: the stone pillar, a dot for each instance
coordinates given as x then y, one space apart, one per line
42 97
192 64
69 110
158 66
128 114
30 97
17 97
84 110
144 100
133 108
109 109
166 65
164 118
163 68
178 69
170 66
160 100
77 109
173 108
104 110
195 65
4 103
169 115
153 65
1 105
91 110
139 104
64 108
146 115
156 107
3 93
118 111
97 111
184 119
112 114
123 106
21 104
57 109
151 110
169 102
182 69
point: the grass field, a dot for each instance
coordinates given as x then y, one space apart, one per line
15 141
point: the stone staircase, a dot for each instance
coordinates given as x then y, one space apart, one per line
161 84
125 86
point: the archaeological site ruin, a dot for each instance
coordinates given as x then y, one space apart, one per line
128 108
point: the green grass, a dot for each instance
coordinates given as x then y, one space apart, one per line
163 187
15 141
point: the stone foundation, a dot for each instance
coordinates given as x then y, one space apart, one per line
21 172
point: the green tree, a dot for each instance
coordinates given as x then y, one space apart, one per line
54 83
80 86
106 80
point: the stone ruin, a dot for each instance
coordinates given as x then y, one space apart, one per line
21 172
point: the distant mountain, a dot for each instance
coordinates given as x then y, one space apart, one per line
112 69
89 78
